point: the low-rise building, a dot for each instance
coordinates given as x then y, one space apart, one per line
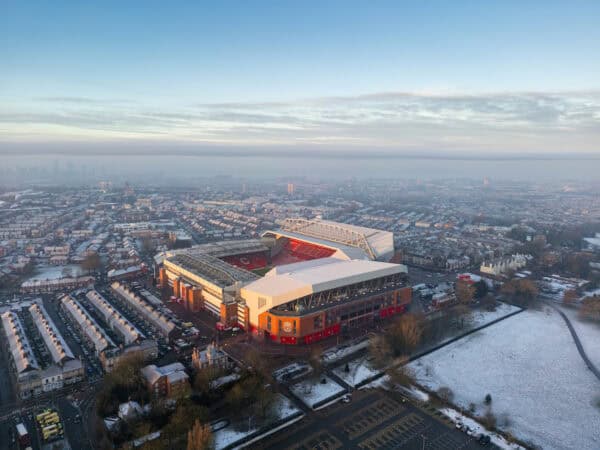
166 381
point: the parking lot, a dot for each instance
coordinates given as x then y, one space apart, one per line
374 419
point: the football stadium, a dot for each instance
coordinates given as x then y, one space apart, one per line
309 280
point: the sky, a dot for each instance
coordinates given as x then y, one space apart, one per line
476 78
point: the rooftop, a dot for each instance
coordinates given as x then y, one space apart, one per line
304 278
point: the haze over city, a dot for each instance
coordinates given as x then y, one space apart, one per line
299 225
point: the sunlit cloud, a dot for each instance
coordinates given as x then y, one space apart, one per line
511 122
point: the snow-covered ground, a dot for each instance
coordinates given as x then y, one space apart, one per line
589 334
283 409
478 429
312 391
482 317
360 370
336 353
292 371
226 379
541 390
55 272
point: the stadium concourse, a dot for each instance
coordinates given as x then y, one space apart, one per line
321 278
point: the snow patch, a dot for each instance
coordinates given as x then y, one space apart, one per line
537 379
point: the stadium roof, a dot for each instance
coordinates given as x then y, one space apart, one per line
217 249
292 281
376 244
212 269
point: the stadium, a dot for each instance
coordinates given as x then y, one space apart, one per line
309 280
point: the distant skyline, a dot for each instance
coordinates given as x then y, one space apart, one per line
487 79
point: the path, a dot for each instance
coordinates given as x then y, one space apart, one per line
578 344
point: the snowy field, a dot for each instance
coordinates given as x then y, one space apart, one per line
55 272
541 390
283 409
482 317
312 392
360 370
589 335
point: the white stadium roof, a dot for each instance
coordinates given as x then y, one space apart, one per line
292 281
377 244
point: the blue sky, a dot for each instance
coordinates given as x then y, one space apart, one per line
430 75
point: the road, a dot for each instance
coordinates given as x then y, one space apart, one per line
578 344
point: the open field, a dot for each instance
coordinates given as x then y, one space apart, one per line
541 390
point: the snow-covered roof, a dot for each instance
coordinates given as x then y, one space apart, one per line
114 318
54 341
88 325
158 319
289 282
174 372
18 343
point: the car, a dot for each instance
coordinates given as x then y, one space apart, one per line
346 398
484 439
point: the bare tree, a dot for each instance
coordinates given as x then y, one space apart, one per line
464 291
570 297
445 393
199 437
405 335
91 262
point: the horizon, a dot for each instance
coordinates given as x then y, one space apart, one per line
409 81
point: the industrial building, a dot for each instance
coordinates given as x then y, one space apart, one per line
324 278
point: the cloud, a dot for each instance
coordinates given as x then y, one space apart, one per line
512 121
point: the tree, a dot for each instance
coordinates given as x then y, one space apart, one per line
405 334
401 374
446 394
570 297
489 420
199 437
123 383
488 399
523 292
464 292
183 418
203 379
315 361
380 351
91 262
148 246
481 289
489 302
590 308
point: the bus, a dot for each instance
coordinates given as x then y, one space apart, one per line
49 432
41 416
23 435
